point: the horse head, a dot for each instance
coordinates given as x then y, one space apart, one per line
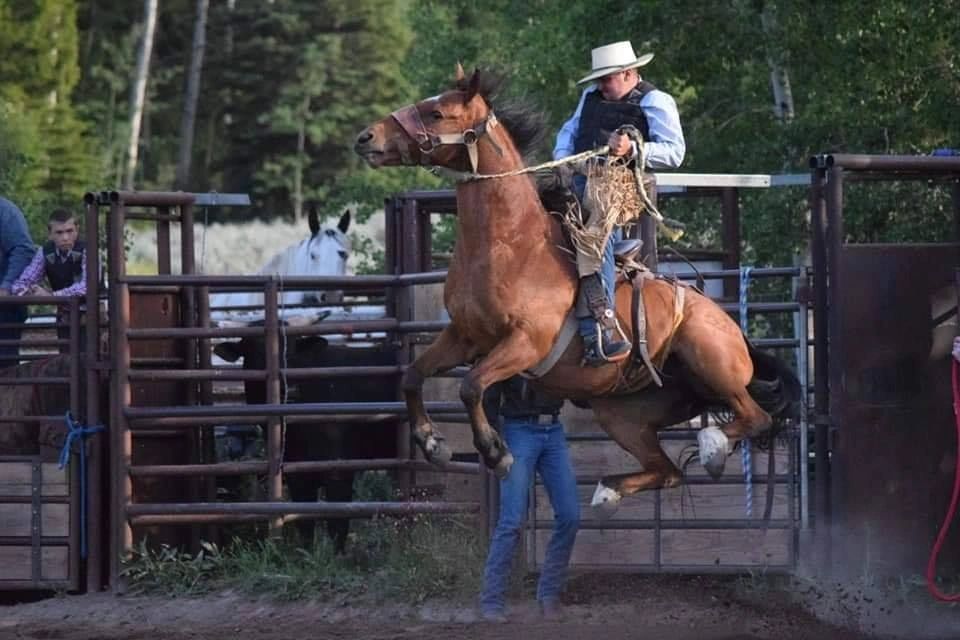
325 253
442 130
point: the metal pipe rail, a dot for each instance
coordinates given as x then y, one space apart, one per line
675 524
279 409
310 418
314 466
290 283
236 512
261 374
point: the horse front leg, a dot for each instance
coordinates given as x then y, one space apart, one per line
511 356
446 352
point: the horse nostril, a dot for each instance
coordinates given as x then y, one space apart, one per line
365 136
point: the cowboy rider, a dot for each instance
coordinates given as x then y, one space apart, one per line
616 97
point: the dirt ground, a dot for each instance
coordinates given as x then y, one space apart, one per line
598 608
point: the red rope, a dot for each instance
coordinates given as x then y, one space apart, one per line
932 564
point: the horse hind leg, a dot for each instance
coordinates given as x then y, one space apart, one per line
717 443
618 419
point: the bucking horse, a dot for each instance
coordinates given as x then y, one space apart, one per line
512 284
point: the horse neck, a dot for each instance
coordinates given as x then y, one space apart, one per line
500 206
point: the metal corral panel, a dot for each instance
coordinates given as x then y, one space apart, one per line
39 507
893 456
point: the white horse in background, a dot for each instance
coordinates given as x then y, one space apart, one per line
324 253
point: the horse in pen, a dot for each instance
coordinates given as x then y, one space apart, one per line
511 288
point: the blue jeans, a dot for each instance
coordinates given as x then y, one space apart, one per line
543 450
587 324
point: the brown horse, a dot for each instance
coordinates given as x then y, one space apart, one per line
511 284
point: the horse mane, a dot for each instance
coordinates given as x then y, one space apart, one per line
525 122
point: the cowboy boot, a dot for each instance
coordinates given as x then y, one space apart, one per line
605 345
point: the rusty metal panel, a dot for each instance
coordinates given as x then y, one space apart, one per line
891 404
160 310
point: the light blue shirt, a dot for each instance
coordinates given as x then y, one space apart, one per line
665 148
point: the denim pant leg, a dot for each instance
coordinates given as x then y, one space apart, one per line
608 271
609 276
560 482
514 490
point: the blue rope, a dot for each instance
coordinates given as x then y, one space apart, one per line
79 432
745 453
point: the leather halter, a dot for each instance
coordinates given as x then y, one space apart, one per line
409 120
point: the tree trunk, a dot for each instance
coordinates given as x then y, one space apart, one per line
139 90
779 78
301 151
188 121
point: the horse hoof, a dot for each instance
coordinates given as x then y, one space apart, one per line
437 451
714 448
605 501
502 468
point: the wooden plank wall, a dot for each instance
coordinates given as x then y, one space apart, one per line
16 520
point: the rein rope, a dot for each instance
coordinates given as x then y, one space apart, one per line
745 452
578 158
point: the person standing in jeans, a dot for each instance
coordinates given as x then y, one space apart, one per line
16 250
529 422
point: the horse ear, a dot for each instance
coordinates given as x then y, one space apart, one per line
313 219
344 223
459 75
474 87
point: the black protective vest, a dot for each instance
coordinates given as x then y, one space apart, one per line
599 118
63 273
515 398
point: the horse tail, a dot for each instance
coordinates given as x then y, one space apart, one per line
775 387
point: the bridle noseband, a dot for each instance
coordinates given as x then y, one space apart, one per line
427 142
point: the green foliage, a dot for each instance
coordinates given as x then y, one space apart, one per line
286 86
405 559
44 149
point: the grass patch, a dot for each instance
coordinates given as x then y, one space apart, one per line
405 559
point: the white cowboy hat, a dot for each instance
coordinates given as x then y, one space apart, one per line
613 58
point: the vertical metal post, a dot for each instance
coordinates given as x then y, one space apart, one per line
730 237
803 369
73 316
208 452
76 508
821 360
274 425
833 197
97 442
191 354
163 241
410 258
120 431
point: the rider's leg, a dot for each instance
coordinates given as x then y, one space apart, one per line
595 309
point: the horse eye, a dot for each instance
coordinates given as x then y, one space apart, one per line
436 115
314 256
343 254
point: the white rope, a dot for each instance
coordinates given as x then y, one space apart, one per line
470 176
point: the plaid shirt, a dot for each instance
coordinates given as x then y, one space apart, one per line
34 273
